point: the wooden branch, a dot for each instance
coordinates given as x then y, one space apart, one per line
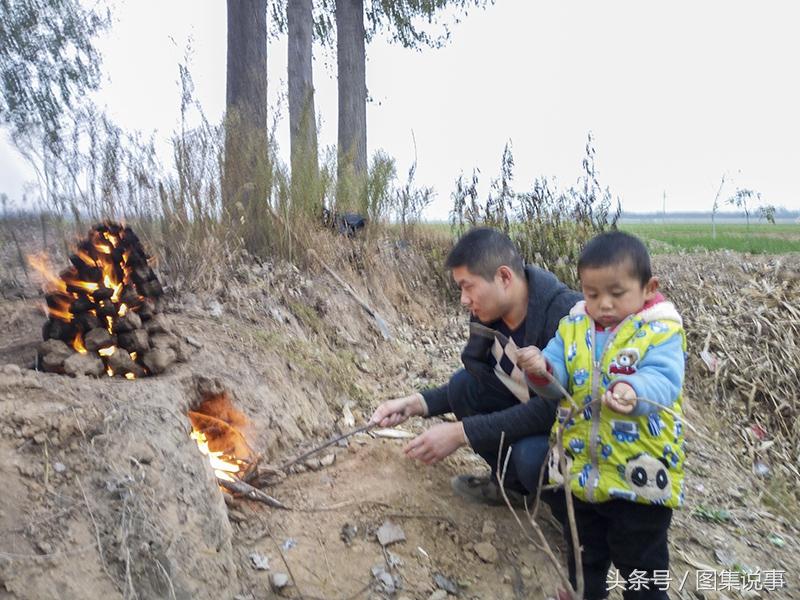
248 491
330 442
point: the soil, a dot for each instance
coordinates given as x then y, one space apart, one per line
104 495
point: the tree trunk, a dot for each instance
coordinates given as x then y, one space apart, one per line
351 63
302 120
246 140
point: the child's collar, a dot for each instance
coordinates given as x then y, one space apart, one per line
656 309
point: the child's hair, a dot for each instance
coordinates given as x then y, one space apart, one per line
614 248
484 250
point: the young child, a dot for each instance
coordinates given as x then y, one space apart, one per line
620 354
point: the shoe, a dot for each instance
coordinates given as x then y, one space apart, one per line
484 489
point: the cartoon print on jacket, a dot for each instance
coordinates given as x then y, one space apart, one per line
625 362
648 477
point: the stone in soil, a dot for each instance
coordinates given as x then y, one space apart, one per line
84 364
158 360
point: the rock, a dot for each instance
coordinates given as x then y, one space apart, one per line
84 364
59 467
54 346
443 583
11 370
52 354
193 342
384 578
347 533
158 324
97 338
121 362
130 322
438 595
135 341
312 463
53 363
327 460
158 360
279 581
260 562
389 533
486 552
164 340
215 308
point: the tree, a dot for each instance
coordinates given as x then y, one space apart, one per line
246 136
352 80
741 199
412 23
302 120
48 63
715 208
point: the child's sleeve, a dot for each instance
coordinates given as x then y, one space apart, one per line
554 355
658 377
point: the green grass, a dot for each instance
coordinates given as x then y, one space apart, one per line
760 238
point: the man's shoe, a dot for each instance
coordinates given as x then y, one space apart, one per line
486 490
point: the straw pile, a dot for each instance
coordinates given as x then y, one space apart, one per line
742 317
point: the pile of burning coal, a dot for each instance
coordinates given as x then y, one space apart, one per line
104 310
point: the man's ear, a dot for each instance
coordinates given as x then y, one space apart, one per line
505 274
651 289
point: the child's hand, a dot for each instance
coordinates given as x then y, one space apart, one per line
621 398
531 360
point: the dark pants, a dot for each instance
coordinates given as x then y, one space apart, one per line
527 455
632 536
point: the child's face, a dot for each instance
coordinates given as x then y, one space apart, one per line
614 292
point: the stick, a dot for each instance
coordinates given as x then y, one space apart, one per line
251 493
501 475
330 442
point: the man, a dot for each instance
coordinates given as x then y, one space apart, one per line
491 394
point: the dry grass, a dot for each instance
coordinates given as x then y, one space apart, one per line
742 319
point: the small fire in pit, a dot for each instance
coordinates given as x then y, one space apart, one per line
102 310
217 428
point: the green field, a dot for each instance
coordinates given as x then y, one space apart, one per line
760 238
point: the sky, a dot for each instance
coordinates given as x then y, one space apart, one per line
675 93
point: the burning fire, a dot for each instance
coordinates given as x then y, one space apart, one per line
217 429
109 279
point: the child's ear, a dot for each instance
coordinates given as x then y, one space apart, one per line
650 289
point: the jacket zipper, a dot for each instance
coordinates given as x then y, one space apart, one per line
594 475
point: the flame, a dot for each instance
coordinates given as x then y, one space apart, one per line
77 343
52 282
110 371
107 351
130 376
220 465
215 428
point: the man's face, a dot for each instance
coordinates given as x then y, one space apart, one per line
613 293
486 300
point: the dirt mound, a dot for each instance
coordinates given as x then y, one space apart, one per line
105 495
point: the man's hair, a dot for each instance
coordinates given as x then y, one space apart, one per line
484 250
614 248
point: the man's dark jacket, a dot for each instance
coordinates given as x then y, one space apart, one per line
548 301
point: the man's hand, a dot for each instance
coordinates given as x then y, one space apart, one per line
531 360
394 412
439 442
621 398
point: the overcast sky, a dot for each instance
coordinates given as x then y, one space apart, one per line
676 93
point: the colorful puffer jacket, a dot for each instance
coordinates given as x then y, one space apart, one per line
611 455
